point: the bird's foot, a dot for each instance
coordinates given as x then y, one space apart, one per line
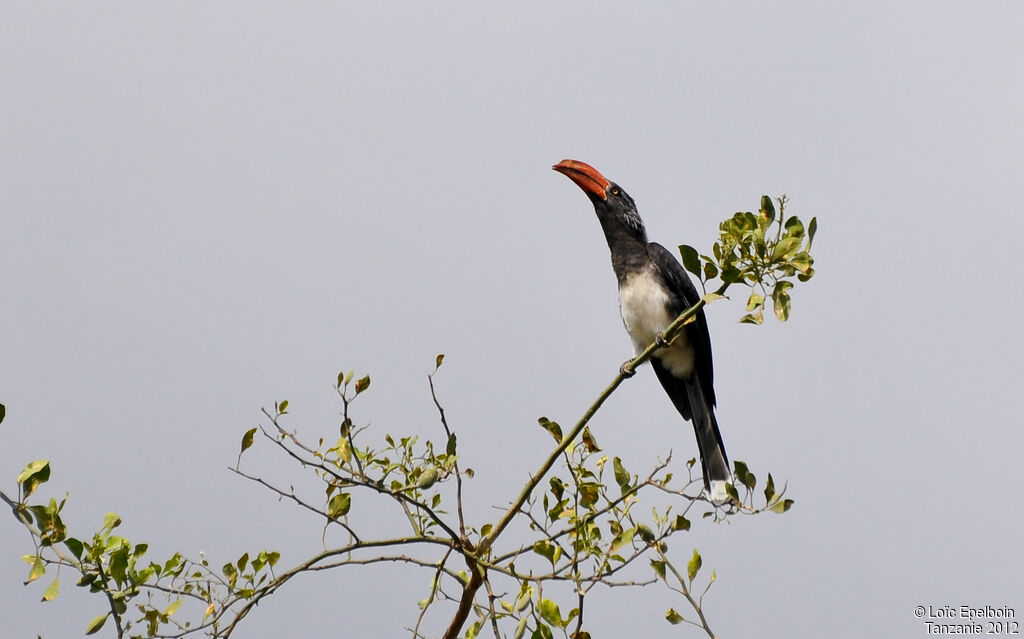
626 370
660 340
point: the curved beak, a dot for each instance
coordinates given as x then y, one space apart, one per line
585 176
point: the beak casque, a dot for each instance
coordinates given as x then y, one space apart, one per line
585 176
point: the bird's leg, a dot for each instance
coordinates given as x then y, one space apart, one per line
661 341
626 370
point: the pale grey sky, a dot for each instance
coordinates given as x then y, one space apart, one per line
208 207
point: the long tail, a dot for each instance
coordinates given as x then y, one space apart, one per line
714 462
694 405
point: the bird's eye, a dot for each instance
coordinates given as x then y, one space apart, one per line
615 190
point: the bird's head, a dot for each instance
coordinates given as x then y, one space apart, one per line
610 202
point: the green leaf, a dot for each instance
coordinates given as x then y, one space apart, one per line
362 384
547 550
550 613
659 567
36 473
173 608
51 591
438 360
551 427
693 567
96 624
282 408
452 444
118 568
782 506
557 487
247 440
171 564
110 522
74 546
812 228
767 208
802 262
589 441
645 532
622 539
794 227
730 490
341 380
691 259
38 569
339 505
769 489
755 318
754 301
622 476
786 247
742 473
589 494
428 478
731 273
542 632
681 523
523 600
750 481
674 617
780 300
521 628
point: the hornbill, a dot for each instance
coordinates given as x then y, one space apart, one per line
654 290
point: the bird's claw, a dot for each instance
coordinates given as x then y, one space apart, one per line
661 341
626 370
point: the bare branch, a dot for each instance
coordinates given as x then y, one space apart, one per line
458 473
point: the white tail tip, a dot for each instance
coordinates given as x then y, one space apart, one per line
717 493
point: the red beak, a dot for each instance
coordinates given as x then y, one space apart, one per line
585 176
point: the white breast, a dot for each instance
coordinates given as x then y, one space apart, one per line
642 302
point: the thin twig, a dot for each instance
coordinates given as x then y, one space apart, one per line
458 474
365 483
685 591
433 591
292 496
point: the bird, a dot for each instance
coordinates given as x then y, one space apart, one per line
654 289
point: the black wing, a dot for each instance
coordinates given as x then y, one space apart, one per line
683 296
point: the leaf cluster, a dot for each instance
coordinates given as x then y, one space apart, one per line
142 595
763 251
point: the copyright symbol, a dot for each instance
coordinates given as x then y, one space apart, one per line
919 611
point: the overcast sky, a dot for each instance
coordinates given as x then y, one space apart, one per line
208 207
